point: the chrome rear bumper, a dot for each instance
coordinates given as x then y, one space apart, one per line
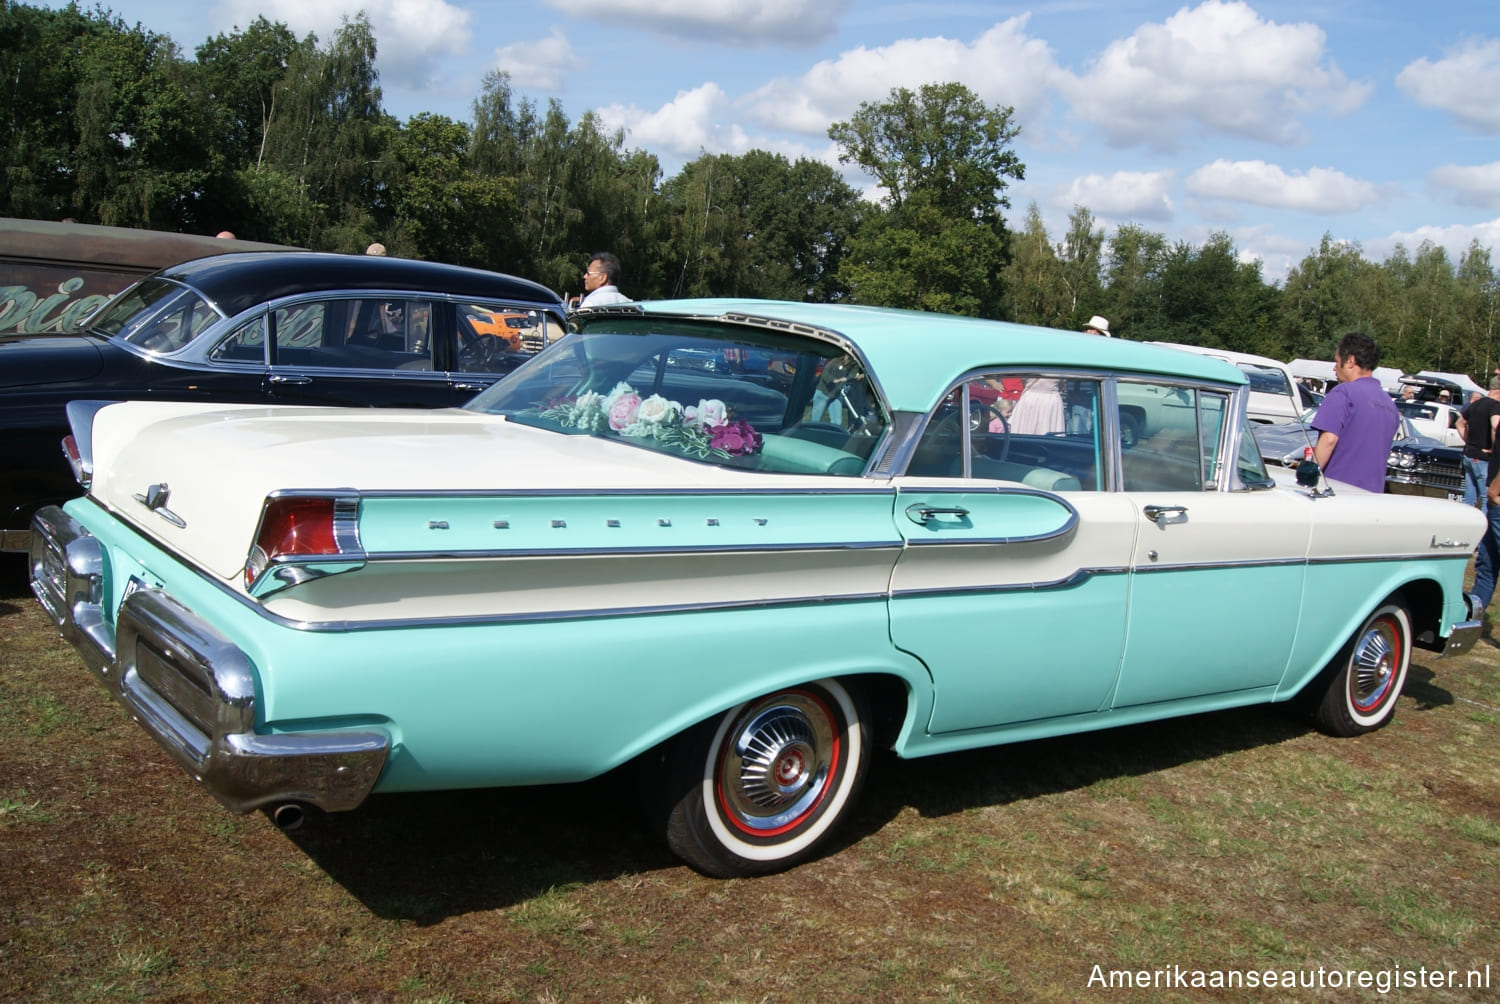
190 687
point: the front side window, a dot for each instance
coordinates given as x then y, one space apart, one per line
1250 467
723 394
495 339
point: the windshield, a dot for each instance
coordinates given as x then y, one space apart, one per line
705 391
157 315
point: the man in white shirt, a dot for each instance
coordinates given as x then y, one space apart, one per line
600 282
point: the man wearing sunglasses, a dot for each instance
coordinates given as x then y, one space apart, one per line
601 281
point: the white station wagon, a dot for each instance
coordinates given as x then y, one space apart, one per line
732 547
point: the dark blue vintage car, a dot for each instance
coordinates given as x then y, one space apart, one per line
286 327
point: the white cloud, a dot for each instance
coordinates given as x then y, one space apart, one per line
1468 186
1003 65
1465 83
544 64
726 22
413 38
1217 67
1124 195
1319 190
693 121
1453 239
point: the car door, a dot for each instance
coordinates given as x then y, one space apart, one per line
1013 584
1216 575
375 350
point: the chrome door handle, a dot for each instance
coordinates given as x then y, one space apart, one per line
920 513
1158 513
287 379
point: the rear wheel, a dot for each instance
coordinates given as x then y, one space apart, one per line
763 786
1367 677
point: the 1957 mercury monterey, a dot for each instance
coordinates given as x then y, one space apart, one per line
666 544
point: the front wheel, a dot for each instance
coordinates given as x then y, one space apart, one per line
1367 677
761 787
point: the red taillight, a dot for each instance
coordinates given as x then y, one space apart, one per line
81 472
293 526
297 526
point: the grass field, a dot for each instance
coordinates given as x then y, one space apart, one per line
1214 846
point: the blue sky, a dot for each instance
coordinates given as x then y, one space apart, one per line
1375 121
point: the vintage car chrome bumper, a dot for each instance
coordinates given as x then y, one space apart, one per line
190 687
1465 633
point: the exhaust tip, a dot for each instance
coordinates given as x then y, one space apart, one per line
288 816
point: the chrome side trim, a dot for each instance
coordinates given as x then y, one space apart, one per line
1078 578
519 493
1067 527
1463 556
373 557
548 616
1208 566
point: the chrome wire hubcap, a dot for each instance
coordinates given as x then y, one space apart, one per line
776 764
1374 666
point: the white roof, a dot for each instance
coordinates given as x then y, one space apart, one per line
1462 379
1314 369
1322 369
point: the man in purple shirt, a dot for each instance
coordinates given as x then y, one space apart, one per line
1357 421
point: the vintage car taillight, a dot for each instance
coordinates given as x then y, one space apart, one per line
82 473
294 527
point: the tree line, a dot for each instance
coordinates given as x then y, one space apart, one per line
285 140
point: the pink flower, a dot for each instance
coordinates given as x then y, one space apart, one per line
735 438
622 412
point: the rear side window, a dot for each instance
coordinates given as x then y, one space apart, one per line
370 334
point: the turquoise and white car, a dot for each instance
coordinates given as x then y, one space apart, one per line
667 544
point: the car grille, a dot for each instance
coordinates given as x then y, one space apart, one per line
1438 474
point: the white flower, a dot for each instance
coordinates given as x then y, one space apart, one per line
656 410
710 412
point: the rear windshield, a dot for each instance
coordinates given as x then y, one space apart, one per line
706 391
1266 379
157 315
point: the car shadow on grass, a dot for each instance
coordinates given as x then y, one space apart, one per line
1001 775
425 857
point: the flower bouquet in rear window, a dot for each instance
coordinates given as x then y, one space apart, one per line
704 431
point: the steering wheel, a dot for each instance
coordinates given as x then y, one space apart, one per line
478 354
981 417
1004 432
